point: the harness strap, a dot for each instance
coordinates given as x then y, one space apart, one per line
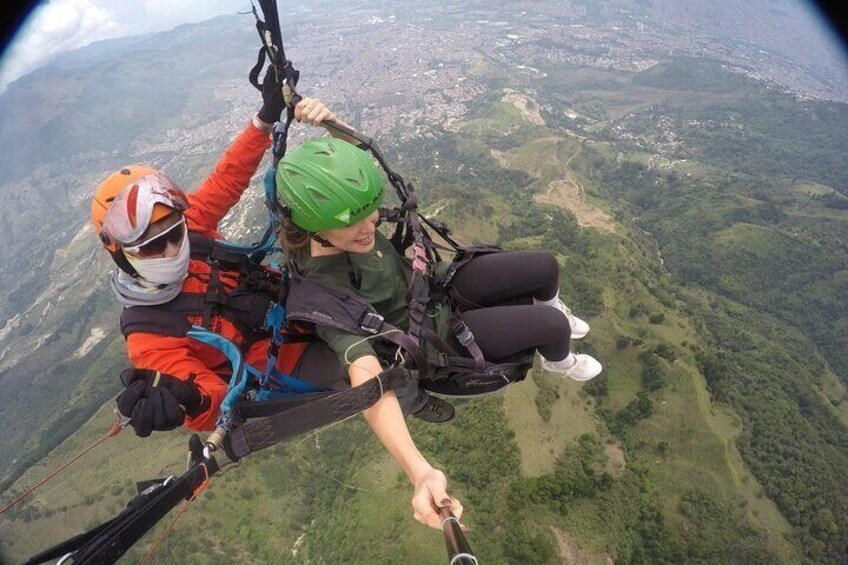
418 294
316 411
316 302
411 346
253 75
441 345
212 299
248 311
249 409
466 339
150 319
245 259
442 287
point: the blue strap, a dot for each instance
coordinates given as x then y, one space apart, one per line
270 184
272 383
274 379
274 321
268 244
240 378
288 384
256 251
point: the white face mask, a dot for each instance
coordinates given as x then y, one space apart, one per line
165 270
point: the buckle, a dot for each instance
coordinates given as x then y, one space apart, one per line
464 335
371 322
442 360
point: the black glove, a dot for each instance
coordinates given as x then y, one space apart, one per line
156 401
272 97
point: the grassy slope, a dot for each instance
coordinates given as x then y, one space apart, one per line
700 437
751 260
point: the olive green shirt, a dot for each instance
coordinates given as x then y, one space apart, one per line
384 276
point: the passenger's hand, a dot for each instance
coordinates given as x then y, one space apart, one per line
156 401
430 495
312 111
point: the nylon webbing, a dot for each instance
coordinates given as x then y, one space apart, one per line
255 435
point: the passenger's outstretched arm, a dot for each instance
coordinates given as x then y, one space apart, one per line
387 421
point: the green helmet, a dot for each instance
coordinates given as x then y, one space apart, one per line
328 183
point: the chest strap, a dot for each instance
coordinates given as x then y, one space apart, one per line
315 302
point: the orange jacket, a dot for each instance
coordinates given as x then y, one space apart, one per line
184 356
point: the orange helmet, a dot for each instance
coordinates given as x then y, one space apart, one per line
130 214
111 188
115 184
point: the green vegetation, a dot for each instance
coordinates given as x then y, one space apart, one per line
742 224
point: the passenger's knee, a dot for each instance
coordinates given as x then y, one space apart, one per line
553 324
548 266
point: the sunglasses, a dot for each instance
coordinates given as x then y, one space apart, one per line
157 244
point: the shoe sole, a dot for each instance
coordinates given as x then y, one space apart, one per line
566 375
575 379
434 421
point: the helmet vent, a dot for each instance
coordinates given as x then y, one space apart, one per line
326 149
360 181
318 196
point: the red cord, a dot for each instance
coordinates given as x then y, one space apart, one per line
200 488
113 430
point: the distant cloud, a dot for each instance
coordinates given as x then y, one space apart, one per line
62 25
52 28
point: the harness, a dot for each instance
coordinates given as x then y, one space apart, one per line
447 372
246 305
255 306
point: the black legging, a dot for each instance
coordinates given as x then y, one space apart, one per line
515 278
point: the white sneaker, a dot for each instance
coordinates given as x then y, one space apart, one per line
579 367
579 328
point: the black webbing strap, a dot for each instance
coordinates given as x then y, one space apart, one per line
213 297
467 340
73 544
412 346
253 75
109 541
280 142
287 75
151 319
272 43
250 409
326 409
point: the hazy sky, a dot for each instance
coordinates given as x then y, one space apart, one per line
60 25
